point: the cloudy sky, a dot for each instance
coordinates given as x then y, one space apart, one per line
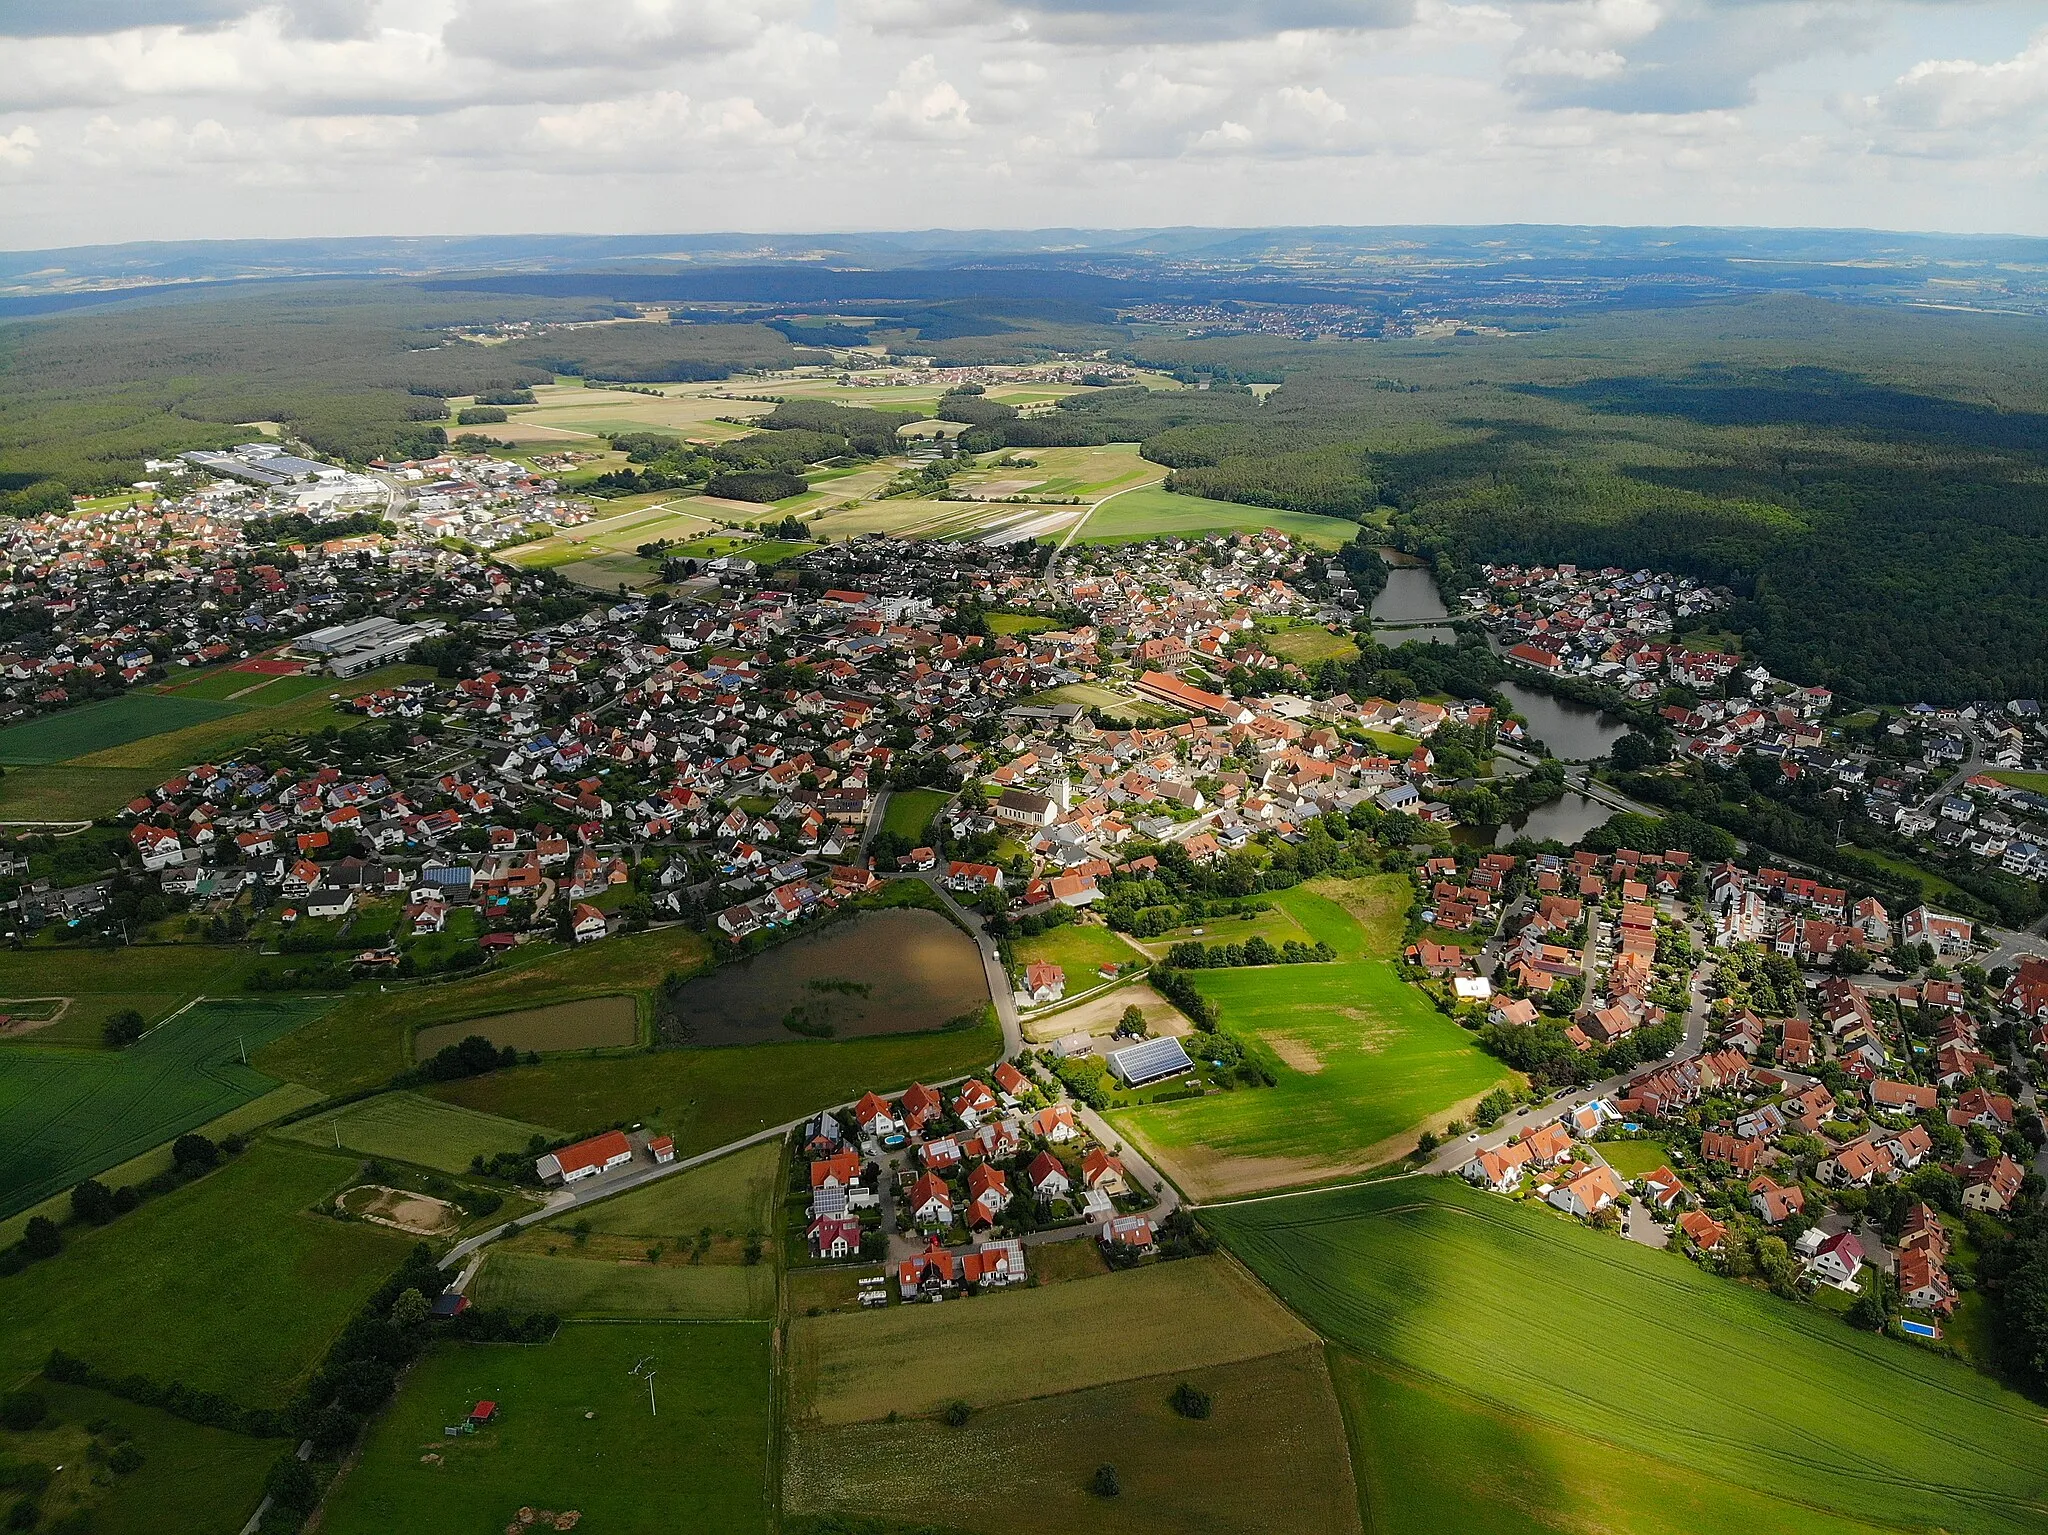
177 119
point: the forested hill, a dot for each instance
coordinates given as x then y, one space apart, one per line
1874 484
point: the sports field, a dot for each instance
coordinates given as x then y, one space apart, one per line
205 1480
1155 512
66 1115
1021 1343
708 1098
610 1288
1271 1456
909 811
229 1284
406 1127
1361 1058
1509 1310
99 726
574 1433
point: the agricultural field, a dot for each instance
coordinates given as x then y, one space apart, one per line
671 1289
1362 1060
592 1023
623 526
1306 643
231 1283
406 1127
572 416
1754 1402
154 979
110 723
909 812
1019 1344
1080 949
1108 701
66 1115
70 793
366 1040
1155 512
203 1480
2036 783
1271 1456
608 572
707 1098
263 689
574 1433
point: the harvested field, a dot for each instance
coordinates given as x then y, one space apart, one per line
405 1127
883 972
584 1025
1100 1015
1272 1456
1017 1344
596 1287
420 1214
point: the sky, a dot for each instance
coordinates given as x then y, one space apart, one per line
188 119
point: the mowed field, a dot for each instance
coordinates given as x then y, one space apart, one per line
613 1288
1526 1315
406 1127
1022 1343
574 1433
1271 1456
730 1196
109 723
1307 643
909 811
1155 512
154 979
591 1023
66 1115
229 1284
1361 1059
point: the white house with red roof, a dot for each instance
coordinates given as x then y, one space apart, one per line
586 1159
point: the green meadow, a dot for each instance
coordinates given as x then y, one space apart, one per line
406 1127
1152 511
1535 1345
109 723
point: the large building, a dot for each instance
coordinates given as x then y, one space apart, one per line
585 1159
348 650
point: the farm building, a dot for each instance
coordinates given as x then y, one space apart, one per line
1152 1060
585 1159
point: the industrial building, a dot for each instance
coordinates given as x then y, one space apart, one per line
263 464
349 650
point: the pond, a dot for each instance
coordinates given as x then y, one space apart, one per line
1565 819
1576 732
883 972
1410 595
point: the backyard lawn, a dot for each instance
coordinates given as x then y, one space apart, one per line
1079 950
909 812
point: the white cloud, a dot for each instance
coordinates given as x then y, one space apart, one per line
922 106
18 146
630 34
1946 98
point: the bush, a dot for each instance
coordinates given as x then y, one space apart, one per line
1106 1483
292 1485
41 1239
194 1153
93 1202
23 1410
957 1414
1191 1402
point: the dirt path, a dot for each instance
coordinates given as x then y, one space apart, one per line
21 1026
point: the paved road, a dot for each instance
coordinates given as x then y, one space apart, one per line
992 963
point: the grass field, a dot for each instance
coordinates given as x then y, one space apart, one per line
406 1127
154 979
1018 1344
733 1194
1306 643
1362 1060
708 1098
1519 1313
70 793
593 1022
1271 1456
1110 702
1019 623
66 1115
227 1284
574 1433
204 1480
909 811
112 722
2035 782
613 1288
365 1041
1155 512
608 572
1077 949
253 688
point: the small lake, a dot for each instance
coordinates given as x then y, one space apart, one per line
1410 595
1576 732
1565 819
883 972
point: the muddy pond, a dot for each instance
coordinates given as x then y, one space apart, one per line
884 972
